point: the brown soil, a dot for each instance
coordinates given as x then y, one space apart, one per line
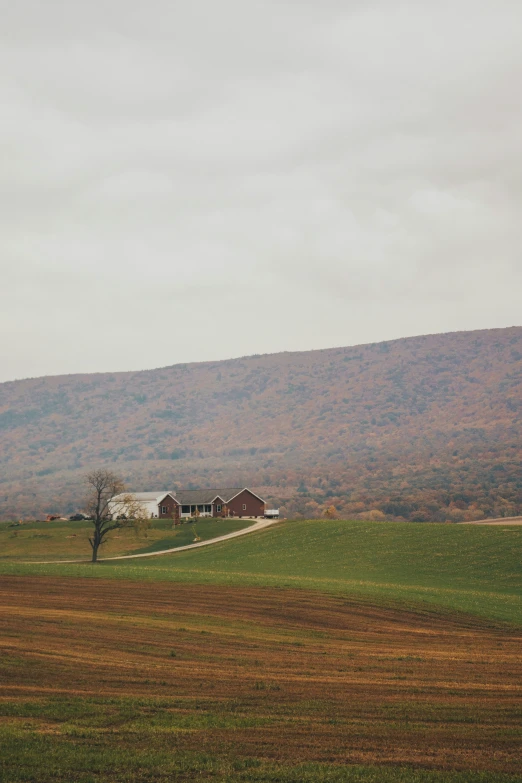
325 678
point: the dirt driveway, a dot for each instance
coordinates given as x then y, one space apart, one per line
501 521
252 529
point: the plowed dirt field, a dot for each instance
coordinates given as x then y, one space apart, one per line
157 675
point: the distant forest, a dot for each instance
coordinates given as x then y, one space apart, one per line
424 428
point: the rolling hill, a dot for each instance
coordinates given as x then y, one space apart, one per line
473 569
418 428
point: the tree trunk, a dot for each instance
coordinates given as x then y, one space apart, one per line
95 542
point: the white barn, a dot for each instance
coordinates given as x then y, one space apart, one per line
148 500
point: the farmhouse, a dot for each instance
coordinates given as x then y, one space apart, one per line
169 504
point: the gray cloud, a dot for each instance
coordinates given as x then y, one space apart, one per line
197 181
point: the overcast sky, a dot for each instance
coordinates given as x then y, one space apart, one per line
182 181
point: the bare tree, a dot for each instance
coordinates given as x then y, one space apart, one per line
103 485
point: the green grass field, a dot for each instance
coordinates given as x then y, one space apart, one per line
59 540
467 568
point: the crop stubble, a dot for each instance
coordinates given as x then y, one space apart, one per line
275 674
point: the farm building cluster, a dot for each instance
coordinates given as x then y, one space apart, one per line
186 503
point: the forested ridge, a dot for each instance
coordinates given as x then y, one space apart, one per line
419 428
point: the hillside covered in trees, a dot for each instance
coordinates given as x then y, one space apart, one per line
423 428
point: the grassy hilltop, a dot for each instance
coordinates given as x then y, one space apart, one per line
470 568
65 540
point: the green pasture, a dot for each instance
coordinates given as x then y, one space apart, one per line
59 540
466 568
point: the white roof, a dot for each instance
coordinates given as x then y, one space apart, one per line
144 496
